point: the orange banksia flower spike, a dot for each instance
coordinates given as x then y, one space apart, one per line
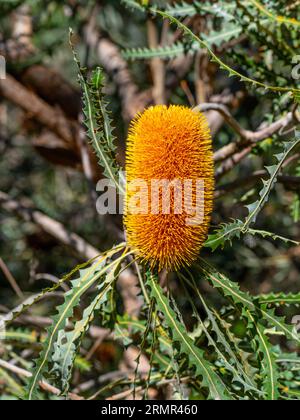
169 144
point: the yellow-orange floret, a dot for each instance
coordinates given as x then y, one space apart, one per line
168 143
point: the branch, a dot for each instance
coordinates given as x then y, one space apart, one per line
133 101
247 137
232 161
48 84
58 145
157 66
251 138
50 117
51 226
127 279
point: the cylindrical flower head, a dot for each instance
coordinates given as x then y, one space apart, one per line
170 185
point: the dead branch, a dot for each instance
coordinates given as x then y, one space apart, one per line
59 142
54 89
226 99
232 161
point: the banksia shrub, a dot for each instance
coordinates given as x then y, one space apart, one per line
170 144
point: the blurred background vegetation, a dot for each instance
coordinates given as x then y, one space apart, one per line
46 163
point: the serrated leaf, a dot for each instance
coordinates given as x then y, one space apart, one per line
188 32
32 300
132 4
227 232
22 335
195 355
184 9
280 299
167 52
273 170
179 48
269 369
98 122
295 207
228 33
72 298
232 290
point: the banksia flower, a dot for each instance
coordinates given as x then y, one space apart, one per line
174 144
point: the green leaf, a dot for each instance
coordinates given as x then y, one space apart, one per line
195 355
68 342
32 300
132 4
226 233
216 59
233 365
295 208
184 9
22 335
98 122
217 38
167 52
72 298
278 19
126 330
82 364
223 234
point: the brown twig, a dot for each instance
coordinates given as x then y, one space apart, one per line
12 281
247 137
232 154
124 394
110 58
43 384
232 161
19 46
86 162
188 93
226 99
157 66
51 226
